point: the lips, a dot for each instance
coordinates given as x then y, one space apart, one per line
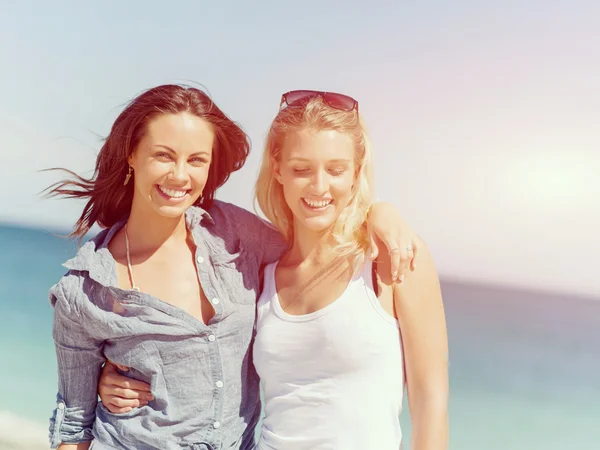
173 193
317 203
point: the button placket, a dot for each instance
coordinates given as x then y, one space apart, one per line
206 275
204 278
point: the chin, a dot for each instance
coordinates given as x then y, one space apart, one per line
318 225
172 212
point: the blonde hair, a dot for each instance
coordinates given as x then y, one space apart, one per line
349 230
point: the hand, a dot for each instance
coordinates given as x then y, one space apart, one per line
120 394
386 223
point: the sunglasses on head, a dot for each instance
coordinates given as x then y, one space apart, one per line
333 99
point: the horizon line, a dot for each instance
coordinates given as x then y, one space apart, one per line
63 232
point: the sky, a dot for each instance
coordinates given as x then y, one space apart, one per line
485 117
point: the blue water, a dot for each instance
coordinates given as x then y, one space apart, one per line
524 366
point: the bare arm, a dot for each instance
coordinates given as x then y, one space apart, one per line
418 303
82 446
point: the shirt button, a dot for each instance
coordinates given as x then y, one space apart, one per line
219 384
200 259
61 405
211 337
215 301
217 424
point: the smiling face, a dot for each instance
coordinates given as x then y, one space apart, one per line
317 171
171 164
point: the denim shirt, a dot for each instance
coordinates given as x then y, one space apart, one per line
205 388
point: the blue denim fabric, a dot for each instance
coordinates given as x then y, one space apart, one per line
205 387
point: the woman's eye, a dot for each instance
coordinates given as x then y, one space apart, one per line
300 170
337 171
199 161
163 155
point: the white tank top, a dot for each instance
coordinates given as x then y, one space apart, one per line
332 379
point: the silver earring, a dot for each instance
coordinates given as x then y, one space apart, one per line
128 176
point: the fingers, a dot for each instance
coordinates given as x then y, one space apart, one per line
129 383
373 248
397 256
403 257
413 262
117 405
129 394
113 378
403 253
107 391
115 410
112 367
122 403
119 401
120 394
398 260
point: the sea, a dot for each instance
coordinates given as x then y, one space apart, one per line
524 365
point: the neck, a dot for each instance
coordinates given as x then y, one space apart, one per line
148 232
310 247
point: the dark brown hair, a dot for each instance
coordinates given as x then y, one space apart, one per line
109 201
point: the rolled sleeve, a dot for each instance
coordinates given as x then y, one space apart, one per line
80 359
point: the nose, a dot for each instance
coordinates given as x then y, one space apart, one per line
179 173
320 182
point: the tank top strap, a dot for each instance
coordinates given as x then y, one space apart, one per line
269 289
366 273
365 277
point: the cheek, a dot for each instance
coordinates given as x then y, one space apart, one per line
152 172
293 186
342 186
144 178
200 175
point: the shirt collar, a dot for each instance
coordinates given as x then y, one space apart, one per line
95 258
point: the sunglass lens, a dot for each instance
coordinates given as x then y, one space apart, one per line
294 98
340 101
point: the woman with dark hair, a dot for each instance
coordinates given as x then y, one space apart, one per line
169 287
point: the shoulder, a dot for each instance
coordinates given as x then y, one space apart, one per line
87 253
67 292
223 212
420 286
244 223
75 293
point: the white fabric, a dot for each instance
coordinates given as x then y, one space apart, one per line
332 379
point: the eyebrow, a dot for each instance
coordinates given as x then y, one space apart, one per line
166 147
339 160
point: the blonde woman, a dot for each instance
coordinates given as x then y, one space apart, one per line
335 337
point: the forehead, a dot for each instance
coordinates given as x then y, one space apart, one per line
180 131
318 145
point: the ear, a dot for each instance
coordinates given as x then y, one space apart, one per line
276 168
130 159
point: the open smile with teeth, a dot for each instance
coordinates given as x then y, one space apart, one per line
317 203
173 193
